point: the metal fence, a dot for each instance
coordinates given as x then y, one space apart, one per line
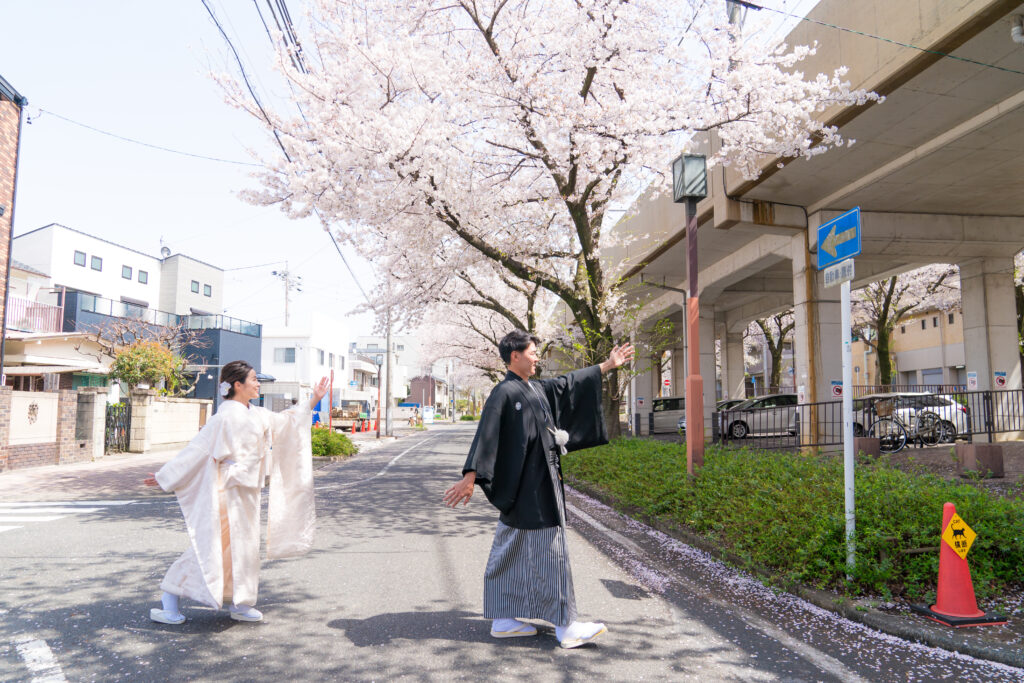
25 315
118 428
927 419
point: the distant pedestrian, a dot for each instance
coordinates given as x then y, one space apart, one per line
217 479
524 428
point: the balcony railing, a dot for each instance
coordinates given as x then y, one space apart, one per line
91 303
26 315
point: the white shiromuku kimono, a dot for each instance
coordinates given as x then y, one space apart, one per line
217 479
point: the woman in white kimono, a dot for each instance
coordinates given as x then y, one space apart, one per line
217 479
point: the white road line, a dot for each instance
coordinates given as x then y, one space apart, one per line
46 518
45 511
39 660
72 503
8 528
809 653
381 473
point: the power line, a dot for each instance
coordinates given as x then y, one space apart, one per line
32 119
891 41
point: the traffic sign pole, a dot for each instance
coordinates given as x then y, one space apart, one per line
839 240
848 477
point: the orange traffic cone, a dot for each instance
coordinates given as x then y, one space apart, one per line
955 604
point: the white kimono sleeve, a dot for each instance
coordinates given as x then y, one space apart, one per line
291 516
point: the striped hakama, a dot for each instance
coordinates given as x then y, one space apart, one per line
528 576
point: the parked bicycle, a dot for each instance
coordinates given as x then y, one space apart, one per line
893 432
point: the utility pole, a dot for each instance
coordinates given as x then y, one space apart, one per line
390 357
291 281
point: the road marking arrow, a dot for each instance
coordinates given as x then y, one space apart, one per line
834 239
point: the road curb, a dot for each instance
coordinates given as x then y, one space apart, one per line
854 611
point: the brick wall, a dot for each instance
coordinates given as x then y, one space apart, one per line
65 449
10 114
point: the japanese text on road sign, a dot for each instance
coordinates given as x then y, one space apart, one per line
959 536
839 273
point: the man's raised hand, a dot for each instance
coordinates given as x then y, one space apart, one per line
619 356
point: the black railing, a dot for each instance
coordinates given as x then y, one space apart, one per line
118 428
927 419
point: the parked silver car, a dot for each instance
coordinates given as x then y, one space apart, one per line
667 411
774 414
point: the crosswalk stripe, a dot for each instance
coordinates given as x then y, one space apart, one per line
9 528
39 660
45 518
45 511
71 503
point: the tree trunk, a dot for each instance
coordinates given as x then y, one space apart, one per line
884 358
610 405
776 376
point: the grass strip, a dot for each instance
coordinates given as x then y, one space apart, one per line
783 512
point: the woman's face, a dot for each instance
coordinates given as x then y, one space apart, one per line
249 389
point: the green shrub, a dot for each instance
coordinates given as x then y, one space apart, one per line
469 418
327 442
783 512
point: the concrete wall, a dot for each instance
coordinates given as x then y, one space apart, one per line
10 116
160 421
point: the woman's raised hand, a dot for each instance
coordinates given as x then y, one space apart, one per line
319 391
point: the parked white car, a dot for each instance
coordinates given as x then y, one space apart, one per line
667 411
774 414
906 405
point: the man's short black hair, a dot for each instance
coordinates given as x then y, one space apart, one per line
516 340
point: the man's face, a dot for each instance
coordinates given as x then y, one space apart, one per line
524 363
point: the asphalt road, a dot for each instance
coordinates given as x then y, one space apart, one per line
393 590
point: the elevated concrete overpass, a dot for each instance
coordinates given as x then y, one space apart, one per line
937 170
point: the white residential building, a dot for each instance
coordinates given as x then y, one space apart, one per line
299 357
78 261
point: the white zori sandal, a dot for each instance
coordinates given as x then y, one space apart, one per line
511 628
163 616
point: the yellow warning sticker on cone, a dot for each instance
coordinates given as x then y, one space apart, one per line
959 536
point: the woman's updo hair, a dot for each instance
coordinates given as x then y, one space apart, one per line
235 371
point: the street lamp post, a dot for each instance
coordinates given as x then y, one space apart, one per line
379 360
690 185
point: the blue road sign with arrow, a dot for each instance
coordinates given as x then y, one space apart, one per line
839 239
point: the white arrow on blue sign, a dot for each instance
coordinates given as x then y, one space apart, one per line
839 239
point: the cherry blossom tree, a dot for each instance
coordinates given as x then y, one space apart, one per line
881 306
432 134
772 332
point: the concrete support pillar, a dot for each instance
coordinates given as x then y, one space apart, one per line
817 335
678 370
733 368
990 321
708 366
142 405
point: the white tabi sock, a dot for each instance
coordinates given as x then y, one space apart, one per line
578 630
170 602
505 625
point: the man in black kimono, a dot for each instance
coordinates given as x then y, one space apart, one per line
515 458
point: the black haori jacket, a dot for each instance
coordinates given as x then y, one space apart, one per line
512 444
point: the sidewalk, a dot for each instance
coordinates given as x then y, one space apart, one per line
113 476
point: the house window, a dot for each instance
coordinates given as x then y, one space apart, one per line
320 356
950 318
401 347
284 355
935 321
341 362
80 258
195 286
207 290
924 324
371 347
126 272
97 263
143 277
330 363
903 329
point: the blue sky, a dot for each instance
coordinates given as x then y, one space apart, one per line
141 70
